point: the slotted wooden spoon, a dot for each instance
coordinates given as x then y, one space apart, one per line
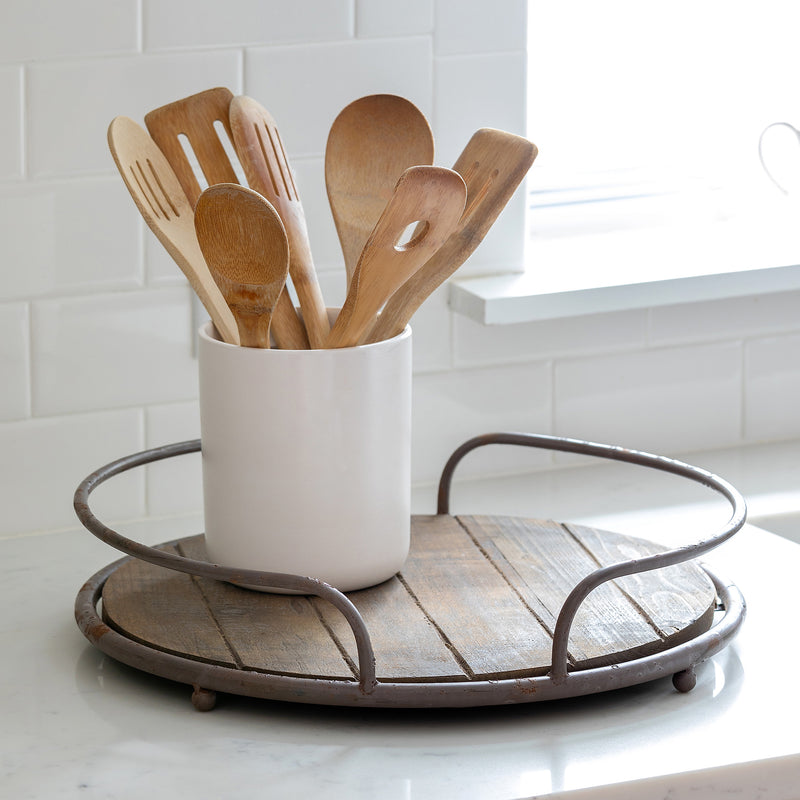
245 246
370 144
263 158
167 211
194 117
492 164
431 199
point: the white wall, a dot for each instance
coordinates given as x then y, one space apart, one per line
95 321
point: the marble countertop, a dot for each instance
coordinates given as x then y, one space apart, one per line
75 723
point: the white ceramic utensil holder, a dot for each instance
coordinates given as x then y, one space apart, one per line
306 458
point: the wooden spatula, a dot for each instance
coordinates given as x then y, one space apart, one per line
492 164
194 117
370 144
244 244
263 158
166 209
431 199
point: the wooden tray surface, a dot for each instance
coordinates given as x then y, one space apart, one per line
476 600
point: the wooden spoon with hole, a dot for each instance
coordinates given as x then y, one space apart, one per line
198 118
492 164
244 244
370 144
429 198
168 213
266 166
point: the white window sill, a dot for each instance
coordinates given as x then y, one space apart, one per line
566 276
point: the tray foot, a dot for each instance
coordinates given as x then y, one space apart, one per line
203 699
685 680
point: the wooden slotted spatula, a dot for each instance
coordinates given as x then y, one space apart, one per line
431 199
244 243
266 167
371 143
166 209
492 164
194 118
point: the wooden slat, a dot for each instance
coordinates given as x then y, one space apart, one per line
270 632
477 599
164 609
544 562
472 604
406 644
679 600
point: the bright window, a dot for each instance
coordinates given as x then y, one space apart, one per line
649 114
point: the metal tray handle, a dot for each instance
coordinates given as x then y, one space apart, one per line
559 661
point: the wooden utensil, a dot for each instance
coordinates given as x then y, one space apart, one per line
370 144
194 118
167 211
429 198
263 158
245 246
492 164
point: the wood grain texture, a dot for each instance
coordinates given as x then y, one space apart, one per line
195 118
476 600
167 211
434 198
492 164
266 166
165 609
371 143
244 244
284 636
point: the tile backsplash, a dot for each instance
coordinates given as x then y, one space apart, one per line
95 320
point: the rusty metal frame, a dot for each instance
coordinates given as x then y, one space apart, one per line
678 661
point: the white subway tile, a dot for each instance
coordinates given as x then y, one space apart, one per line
772 388
43 461
477 91
431 326
11 129
15 398
503 249
477 344
474 26
305 87
664 400
731 318
381 18
172 24
39 29
175 485
90 93
449 408
68 235
112 350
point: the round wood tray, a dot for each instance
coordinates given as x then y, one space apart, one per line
479 615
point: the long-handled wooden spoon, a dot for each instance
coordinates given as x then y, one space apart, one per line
431 199
195 118
263 158
370 144
244 243
167 211
492 164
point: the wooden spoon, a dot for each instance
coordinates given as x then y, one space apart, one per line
167 211
370 144
194 118
492 164
429 198
244 243
263 158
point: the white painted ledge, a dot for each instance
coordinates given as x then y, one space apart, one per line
617 271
